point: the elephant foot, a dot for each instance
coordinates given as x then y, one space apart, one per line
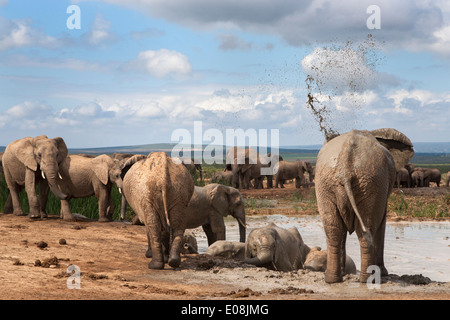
34 215
154 264
104 219
148 254
19 213
332 278
43 215
175 262
384 271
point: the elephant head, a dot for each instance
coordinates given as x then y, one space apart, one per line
397 143
43 154
108 170
228 200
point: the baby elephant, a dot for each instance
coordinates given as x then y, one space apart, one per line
316 260
227 249
276 248
83 177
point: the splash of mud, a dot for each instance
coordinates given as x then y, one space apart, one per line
337 76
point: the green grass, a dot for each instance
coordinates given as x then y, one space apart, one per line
420 206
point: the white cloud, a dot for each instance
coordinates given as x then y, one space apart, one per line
19 33
99 32
160 63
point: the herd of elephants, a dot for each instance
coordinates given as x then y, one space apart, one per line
353 177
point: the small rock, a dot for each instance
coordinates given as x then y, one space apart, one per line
62 241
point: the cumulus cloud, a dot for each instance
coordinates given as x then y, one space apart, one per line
19 33
99 33
160 63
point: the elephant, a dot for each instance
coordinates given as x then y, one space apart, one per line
417 178
189 243
209 206
227 249
316 260
193 167
355 174
83 177
430 175
223 177
159 191
447 183
403 178
33 161
291 170
276 248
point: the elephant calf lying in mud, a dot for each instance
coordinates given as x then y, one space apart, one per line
278 249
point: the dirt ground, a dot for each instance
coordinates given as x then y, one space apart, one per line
35 256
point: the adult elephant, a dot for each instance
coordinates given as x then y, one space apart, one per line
291 170
29 162
237 161
276 248
447 183
84 177
158 191
430 175
355 173
209 206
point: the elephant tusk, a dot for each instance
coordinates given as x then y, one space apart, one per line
241 222
120 190
59 175
43 175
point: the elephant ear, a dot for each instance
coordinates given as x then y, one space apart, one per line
398 144
63 152
127 163
220 199
101 168
24 151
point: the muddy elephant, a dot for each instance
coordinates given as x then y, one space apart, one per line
417 178
403 179
447 182
189 243
158 191
29 162
209 206
316 260
227 249
288 170
84 177
276 248
355 174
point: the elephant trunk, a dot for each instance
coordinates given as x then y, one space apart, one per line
242 229
263 258
52 175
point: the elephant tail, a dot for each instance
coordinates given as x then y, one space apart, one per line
348 189
164 189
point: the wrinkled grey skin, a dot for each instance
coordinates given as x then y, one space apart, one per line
276 248
209 206
84 177
355 173
316 260
29 162
158 191
227 249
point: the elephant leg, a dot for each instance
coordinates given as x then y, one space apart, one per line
66 214
103 201
123 207
175 249
153 230
43 197
209 234
379 247
8 205
336 235
14 193
30 188
110 209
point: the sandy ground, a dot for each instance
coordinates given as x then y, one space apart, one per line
34 261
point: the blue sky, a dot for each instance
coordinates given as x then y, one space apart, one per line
136 72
